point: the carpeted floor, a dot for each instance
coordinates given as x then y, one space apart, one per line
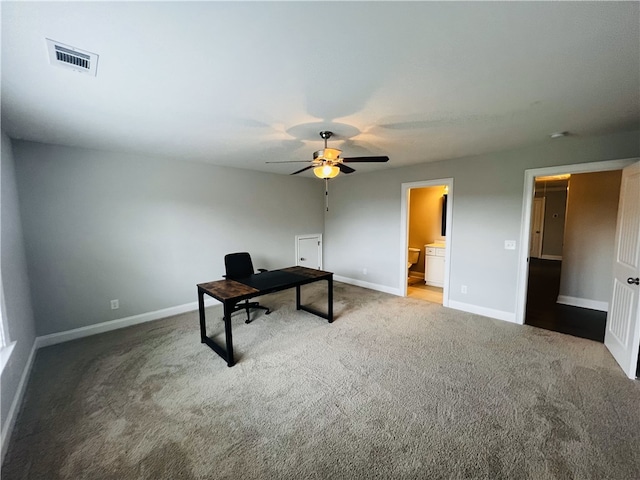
395 388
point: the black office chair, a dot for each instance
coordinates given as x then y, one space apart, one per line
239 265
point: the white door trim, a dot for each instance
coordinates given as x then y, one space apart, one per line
317 236
527 204
404 233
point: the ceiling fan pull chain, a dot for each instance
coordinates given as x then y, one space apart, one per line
326 193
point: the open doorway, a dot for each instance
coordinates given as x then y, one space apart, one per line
426 227
578 276
568 289
559 219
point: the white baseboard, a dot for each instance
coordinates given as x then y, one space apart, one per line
54 338
485 312
583 303
10 421
551 257
372 286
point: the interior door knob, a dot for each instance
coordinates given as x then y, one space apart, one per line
302 259
632 281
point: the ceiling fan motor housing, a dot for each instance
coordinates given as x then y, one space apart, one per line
327 155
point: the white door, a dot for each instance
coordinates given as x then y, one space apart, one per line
622 335
309 251
537 226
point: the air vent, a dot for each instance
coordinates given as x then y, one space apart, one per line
72 58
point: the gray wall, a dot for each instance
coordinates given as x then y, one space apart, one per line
592 208
19 316
101 226
487 210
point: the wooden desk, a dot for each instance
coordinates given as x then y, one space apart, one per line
230 292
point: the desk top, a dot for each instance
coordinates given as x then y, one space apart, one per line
255 284
307 272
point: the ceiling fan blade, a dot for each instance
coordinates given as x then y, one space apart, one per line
365 159
291 161
345 169
303 169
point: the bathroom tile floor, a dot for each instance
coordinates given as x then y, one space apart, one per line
425 292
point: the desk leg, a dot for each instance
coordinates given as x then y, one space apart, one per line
227 353
330 299
228 309
203 325
306 308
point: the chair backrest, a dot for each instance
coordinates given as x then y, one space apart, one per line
238 265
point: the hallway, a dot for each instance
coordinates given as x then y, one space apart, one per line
542 310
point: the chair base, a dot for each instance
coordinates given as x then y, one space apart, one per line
246 306
253 305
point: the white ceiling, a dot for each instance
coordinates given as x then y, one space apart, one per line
241 83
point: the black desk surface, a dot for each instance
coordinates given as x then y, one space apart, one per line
255 284
270 279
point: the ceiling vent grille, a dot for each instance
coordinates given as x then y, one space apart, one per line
72 58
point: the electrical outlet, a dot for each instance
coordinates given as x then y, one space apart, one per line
463 289
365 271
115 304
509 244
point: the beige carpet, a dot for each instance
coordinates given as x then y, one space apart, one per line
395 388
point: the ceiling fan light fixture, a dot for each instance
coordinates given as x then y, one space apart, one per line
326 171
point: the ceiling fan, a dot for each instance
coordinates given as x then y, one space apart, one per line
327 163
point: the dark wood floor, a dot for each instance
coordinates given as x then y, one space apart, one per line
543 311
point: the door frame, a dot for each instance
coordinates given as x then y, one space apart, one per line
527 211
404 232
318 237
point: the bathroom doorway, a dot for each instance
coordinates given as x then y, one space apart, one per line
426 227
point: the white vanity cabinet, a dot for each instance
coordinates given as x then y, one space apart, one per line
434 264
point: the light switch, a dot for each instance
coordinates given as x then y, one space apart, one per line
509 244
